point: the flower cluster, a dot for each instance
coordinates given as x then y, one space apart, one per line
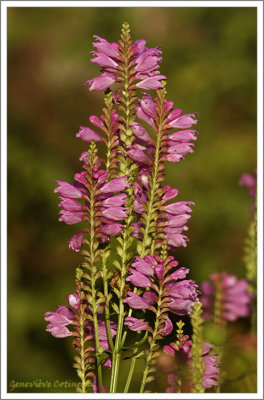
130 289
110 208
164 285
181 351
64 316
235 299
145 61
178 143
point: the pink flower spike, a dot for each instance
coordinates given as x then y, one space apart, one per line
88 135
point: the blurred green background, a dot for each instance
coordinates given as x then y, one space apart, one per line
209 57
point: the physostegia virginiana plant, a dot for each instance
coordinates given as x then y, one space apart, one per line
131 282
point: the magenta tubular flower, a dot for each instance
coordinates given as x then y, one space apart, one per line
115 185
147 105
138 279
135 301
106 48
137 153
117 201
182 121
111 229
140 113
65 189
88 134
96 121
73 301
102 82
168 328
144 176
152 83
235 300
71 217
135 324
58 331
140 132
143 266
58 321
114 213
75 242
70 204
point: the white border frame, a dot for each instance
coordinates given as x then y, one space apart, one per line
209 3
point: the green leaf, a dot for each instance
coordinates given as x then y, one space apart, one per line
120 251
116 291
150 379
115 307
117 264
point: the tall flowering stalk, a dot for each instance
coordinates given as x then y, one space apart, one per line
250 250
130 283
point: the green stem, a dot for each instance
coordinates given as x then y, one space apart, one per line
82 350
131 371
117 348
93 290
126 167
152 344
107 316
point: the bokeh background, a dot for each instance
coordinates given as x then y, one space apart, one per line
209 57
